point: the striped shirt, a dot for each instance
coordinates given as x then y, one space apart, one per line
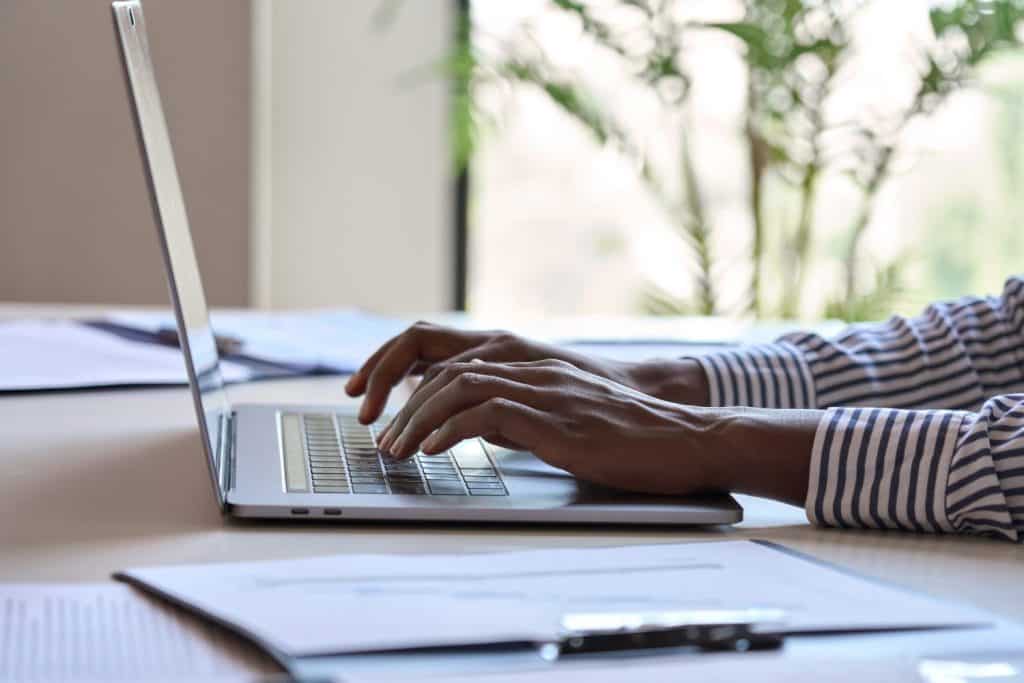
924 417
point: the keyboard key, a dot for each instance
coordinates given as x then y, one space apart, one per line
446 488
331 489
409 490
439 468
485 485
488 492
480 477
367 488
366 478
442 477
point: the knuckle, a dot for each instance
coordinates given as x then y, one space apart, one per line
507 339
497 405
418 329
470 380
451 371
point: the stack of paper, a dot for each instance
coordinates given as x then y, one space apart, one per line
375 602
111 632
59 354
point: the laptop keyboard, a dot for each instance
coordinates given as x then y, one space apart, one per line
342 457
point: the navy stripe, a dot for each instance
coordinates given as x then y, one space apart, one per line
863 357
929 400
826 451
797 362
952 489
900 454
842 455
915 468
933 471
974 497
957 372
860 468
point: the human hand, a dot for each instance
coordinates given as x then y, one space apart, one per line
595 428
428 349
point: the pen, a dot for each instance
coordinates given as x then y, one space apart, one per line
702 630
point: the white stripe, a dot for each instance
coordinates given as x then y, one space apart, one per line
945 461
871 470
909 396
736 376
751 369
888 463
815 469
782 379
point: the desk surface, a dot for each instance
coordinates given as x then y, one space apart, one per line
92 482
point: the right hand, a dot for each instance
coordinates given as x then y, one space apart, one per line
426 349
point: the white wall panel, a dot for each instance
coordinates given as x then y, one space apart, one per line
352 172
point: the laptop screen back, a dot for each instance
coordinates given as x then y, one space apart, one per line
197 340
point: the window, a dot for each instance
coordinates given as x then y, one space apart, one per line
874 193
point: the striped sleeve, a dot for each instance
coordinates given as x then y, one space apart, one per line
921 470
953 356
924 421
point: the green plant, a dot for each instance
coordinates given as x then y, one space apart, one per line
794 52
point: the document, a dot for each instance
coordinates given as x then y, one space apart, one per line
112 632
61 354
352 603
333 340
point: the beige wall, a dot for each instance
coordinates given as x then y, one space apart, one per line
75 222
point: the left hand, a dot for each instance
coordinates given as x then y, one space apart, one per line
594 428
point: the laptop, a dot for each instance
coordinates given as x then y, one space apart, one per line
317 462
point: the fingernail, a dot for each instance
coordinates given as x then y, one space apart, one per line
429 446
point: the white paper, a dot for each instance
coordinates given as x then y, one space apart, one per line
360 602
111 632
59 354
339 340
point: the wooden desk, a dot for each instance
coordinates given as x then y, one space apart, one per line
91 482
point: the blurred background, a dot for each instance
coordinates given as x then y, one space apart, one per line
779 159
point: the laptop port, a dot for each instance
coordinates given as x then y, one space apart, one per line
300 511
332 511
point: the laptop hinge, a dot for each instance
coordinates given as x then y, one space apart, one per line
226 454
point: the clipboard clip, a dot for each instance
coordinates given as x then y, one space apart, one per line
701 630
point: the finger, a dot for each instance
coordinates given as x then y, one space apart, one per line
357 382
464 392
427 389
421 342
497 440
500 348
507 419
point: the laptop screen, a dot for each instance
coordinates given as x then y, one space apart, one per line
197 340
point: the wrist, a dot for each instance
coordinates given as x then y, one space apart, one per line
680 381
763 452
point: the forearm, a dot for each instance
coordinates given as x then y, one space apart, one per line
677 381
761 452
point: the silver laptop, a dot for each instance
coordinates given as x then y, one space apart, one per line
317 462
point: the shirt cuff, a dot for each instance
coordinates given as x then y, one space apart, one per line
759 376
883 468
